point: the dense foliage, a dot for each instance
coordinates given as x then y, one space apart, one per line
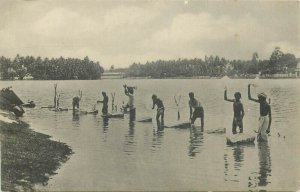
54 68
214 66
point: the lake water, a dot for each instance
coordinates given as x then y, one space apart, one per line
122 155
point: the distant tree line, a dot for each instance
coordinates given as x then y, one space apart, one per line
214 66
49 69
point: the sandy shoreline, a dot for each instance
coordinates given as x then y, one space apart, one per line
28 157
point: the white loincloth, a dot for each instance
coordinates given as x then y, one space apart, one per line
263 124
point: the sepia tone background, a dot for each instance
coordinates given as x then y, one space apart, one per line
167 48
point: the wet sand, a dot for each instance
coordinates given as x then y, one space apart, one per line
28 157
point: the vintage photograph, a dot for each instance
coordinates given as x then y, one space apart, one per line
149 95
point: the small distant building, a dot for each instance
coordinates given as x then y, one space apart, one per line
112 75
225 77
28 77
228 67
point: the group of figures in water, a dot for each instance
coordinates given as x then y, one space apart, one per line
196 112
196 109
12 102
265 118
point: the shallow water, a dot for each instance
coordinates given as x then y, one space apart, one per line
122 155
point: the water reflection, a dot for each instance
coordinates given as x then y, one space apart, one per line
56 120
264 163
238 155
75 119
196 141
97 122
237 161
130 144
226 166
105 123
260 178
158 135
234 164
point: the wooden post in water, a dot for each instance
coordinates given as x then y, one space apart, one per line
55 95
113 101
178 106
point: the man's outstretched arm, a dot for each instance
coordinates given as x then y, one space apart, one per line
249 95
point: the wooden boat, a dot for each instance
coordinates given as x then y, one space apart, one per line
30 104
181 125
60 109
92 112
240 138
145 119
79 112
217 131
114 115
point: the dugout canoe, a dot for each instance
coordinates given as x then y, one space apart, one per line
240 138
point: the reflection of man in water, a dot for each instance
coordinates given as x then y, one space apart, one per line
265 118
233 166
130 144
75 118
264 163
238 154
105 124
196 140
158 135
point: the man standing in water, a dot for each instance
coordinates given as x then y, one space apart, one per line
238 111
76 101
265 118
198 110
160 108
105 103
129 92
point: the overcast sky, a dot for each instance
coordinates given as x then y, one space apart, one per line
122 32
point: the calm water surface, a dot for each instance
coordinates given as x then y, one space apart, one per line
122 155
